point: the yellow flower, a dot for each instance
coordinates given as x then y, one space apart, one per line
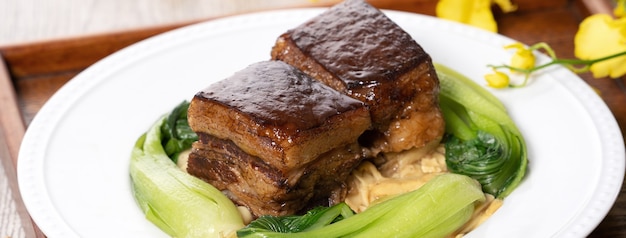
598 36
620 8
473 12
523 57
505 5
497 79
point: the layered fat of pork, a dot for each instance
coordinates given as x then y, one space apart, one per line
275 140
354 48
282 136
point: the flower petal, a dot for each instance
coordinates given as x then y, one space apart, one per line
473 12
599 36
506 5
620 8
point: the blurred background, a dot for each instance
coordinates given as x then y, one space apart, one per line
25 21
33 20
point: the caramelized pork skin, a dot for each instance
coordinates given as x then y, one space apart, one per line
354 48
281 136
269 134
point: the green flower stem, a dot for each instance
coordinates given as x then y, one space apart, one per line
544 46
568 63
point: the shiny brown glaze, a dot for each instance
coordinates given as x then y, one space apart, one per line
358 44
272 110
276 94
270 136
354 48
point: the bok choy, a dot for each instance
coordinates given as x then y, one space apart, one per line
177 135
481 140
436 209
179 204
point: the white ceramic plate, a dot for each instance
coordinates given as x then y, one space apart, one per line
73 164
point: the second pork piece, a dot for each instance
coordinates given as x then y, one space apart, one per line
275 140
356 49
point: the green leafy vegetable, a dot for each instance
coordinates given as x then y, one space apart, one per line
436 209
177 135
313 219
179 204
481 141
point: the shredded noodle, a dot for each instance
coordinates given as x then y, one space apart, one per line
404 172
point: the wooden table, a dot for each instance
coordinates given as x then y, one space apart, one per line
30 73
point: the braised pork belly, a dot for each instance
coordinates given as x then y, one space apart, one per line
356 49
283 135
275 140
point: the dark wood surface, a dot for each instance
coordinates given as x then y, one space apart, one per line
37 70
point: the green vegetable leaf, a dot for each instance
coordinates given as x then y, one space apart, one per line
436 209
481 140
313 219
177 135
179 204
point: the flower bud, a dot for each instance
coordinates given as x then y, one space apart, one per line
497 79
523 57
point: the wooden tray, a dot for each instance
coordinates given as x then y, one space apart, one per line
31 73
